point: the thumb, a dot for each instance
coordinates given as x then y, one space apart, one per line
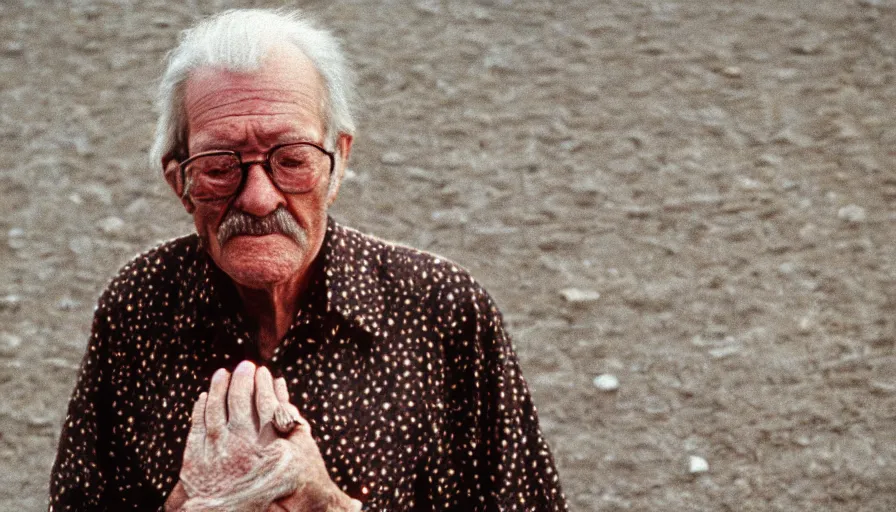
288 421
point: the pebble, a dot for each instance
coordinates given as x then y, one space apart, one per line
139 206
67 304
576 295
790 185
80 244
40 421
428 6
15 238
697 465
769 160
60 363
162 22
449 218
111 225
606 382
805 325
99 192
10 303
9 342
723 352
560 242
883 387
852 213
790 136
786 268
418 173
392 158
13 48
732 72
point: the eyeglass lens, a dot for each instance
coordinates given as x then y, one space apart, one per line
294 169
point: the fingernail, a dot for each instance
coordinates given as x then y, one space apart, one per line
246 366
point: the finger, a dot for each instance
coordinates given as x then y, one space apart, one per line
215 409
265 397
281 390
196 437
291 421
286 418
295 425
239 397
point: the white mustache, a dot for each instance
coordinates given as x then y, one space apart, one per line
280 221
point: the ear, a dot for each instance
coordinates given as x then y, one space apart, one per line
343 150
171 169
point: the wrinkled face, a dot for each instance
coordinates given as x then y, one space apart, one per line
249 113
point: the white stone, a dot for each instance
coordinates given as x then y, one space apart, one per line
67 304
10 302
786 268
724 351
392 158
9 340
577 295
80 244
606 382
697 465
852 213
806 325
15 238
732 72
111 225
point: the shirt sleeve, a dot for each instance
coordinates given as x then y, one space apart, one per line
77 480
492 452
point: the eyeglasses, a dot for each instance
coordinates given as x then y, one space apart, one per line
217 175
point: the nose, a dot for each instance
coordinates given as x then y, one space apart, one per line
259 195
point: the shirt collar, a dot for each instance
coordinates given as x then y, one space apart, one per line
349 264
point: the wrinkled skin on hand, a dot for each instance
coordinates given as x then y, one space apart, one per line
236 461
233 459
233 472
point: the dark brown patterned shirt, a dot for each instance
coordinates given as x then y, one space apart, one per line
398 359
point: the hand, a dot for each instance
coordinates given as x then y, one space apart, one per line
316 492
234 459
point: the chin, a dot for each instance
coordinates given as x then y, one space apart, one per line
261 261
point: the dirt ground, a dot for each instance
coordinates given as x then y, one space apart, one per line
696 197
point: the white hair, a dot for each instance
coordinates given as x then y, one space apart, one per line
238 40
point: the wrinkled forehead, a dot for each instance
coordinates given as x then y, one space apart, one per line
286 85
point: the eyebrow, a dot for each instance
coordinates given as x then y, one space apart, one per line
222 143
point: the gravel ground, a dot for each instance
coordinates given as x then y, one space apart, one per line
696 198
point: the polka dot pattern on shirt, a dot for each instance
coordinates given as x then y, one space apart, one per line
397 358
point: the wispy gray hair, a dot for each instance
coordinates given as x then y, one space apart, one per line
238 40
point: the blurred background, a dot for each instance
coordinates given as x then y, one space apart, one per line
686 211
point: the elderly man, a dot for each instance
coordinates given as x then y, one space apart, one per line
277 360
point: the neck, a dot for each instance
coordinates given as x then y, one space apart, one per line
273 310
